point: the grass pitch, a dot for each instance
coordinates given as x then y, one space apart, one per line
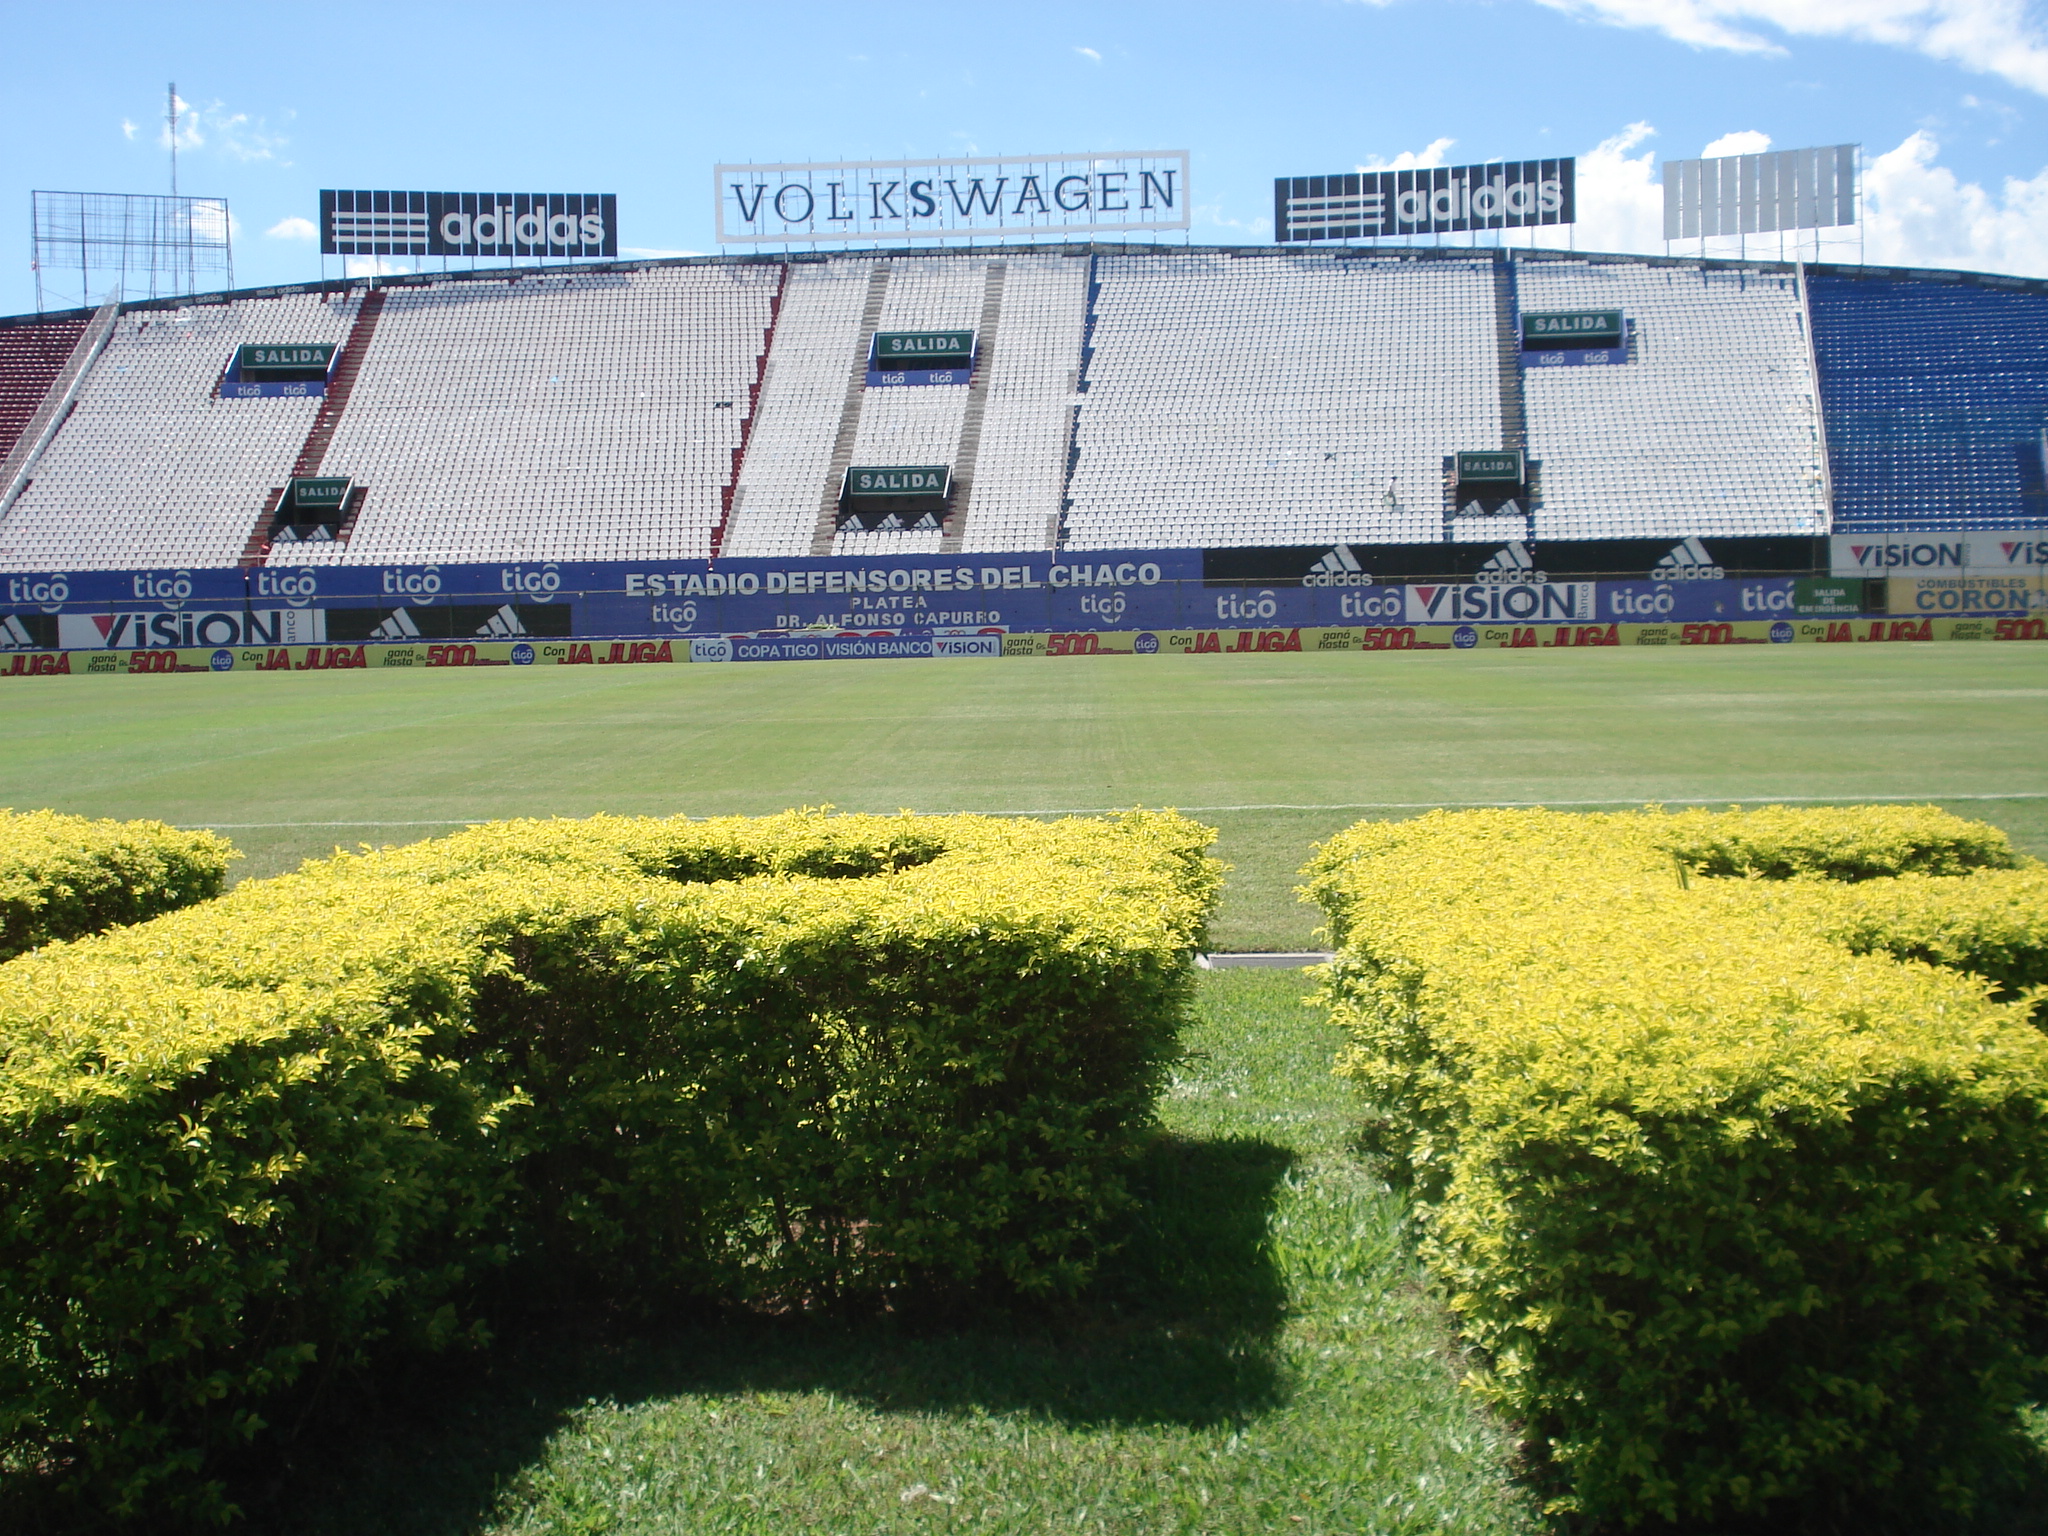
1276 750
1266 1353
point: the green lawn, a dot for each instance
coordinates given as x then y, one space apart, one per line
1275 750
1266 1355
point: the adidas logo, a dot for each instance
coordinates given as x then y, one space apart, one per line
1510 563
398 627
14 635
504 623
1339 568
1509 508
1688 561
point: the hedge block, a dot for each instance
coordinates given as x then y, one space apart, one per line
63 877
1741 1209
794 1059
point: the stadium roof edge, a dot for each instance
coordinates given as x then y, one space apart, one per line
1092 248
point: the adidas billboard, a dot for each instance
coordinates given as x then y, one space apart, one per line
1512 563
1687 561
1339 568
466 621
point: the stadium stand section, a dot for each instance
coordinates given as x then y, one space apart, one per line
1020 463
581 416
921 425
1709 428
31 357
1936 392
153 467
816 374
1253 398
1122 398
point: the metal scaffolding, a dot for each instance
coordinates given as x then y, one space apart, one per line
86 247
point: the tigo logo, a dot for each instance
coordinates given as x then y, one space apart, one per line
298 587
540 585
1688 561
171 588
420 586
48 593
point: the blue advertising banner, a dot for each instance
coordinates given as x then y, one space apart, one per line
808 601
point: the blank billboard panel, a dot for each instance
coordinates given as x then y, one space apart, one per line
1755 194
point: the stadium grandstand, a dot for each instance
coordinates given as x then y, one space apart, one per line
1118 397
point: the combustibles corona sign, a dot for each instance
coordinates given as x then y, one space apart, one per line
1050 196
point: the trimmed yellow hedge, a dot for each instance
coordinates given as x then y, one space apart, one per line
1740 1218
798 1058
62 877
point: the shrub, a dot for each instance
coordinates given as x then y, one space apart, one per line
62 877
1861 842
1991 923
797 1059
1739 1218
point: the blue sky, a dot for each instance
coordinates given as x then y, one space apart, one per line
1947 97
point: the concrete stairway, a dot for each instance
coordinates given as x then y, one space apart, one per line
849 414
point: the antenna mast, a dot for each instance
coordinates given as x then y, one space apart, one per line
171 120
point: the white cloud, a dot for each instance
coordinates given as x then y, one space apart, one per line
1996 37
1917 213
1412 159
1090 55
1620 200
294 228
1748 142
372 266
234 134
127 129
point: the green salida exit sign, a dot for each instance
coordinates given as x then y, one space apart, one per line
317 493
1499 467
284 363
899 351
1590 328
